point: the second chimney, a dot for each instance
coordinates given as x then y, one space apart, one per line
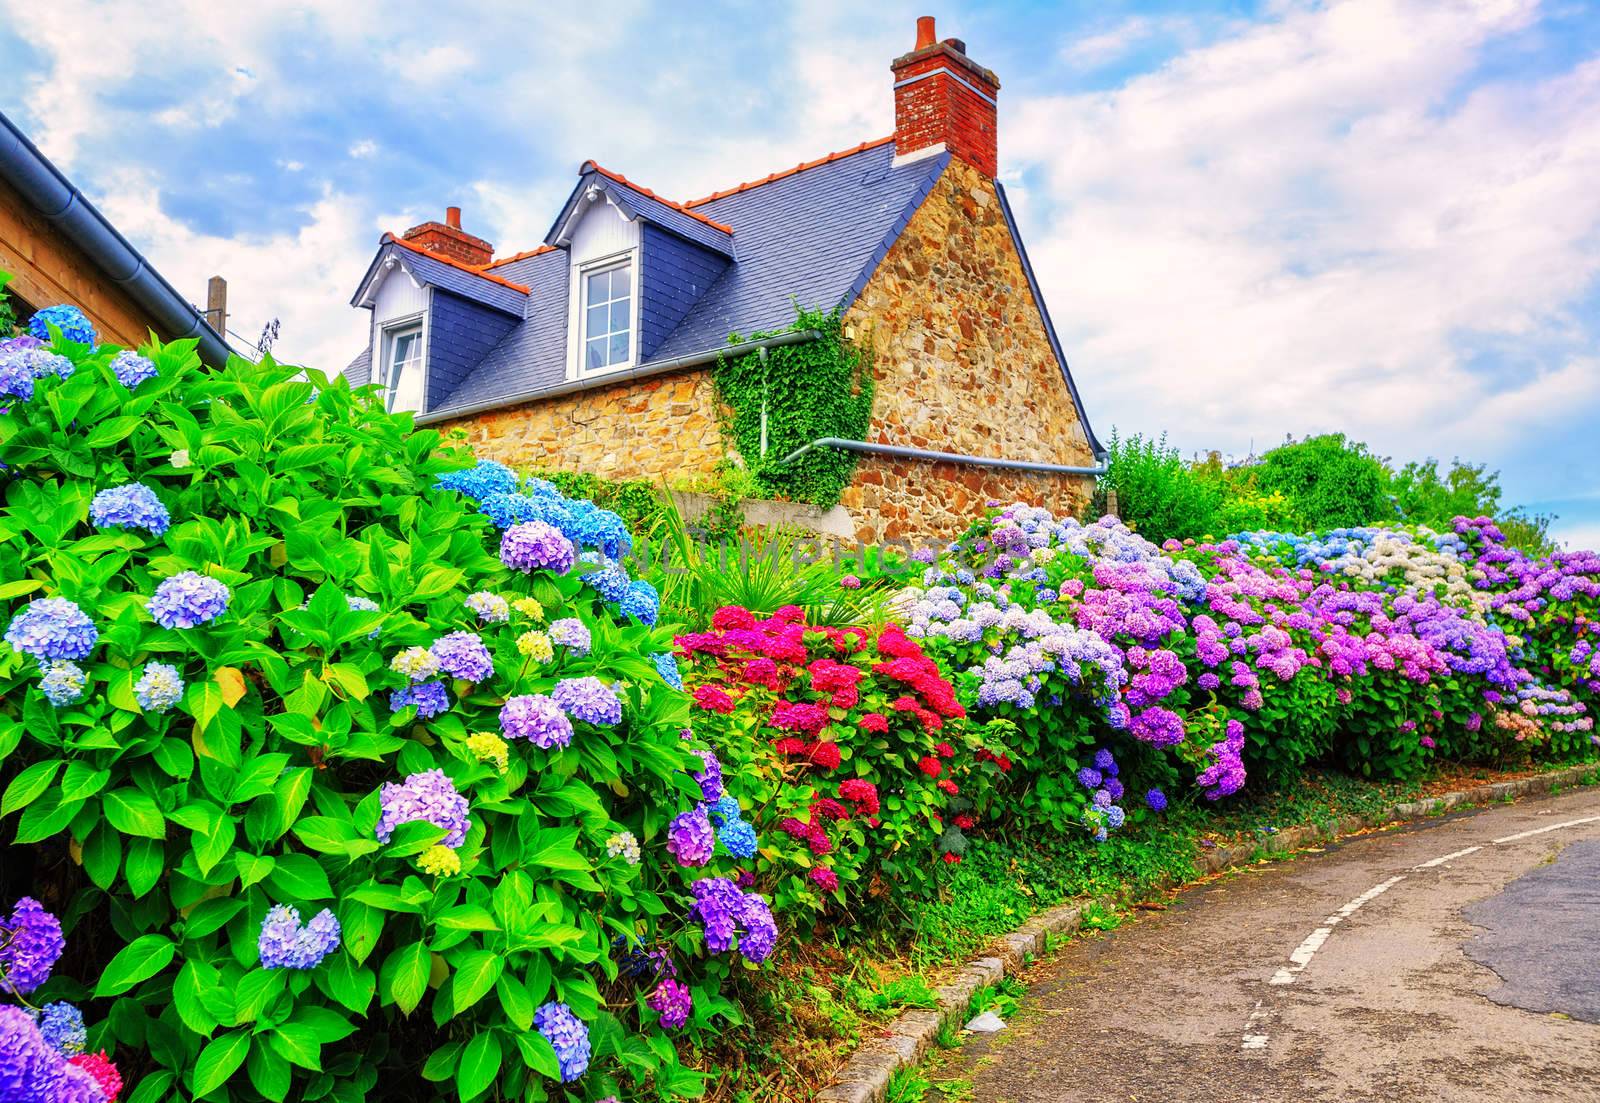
447 239
945 100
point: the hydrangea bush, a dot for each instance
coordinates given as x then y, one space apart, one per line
356 795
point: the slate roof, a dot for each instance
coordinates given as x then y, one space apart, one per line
810 236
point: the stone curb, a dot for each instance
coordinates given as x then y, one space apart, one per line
864 1078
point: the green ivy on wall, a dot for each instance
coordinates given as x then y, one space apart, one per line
8 317
820 388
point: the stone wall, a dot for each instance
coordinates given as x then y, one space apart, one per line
666 426
963 363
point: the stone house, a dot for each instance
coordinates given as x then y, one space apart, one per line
58 248
594 350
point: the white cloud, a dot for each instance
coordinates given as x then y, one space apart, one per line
1089 52
1298 229
366 147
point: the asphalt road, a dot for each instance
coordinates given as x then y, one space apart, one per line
1452 960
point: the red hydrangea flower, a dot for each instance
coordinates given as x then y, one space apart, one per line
930 766
762 672
706 643
894 642
966 822
807 718
787 644
904 704
950 787
789 745
105 1074
858 790
818 842
826 808
713 699
945 750
789 614
732 616
874 722
827 675
825 755
795 828
952 858
847 698
826 878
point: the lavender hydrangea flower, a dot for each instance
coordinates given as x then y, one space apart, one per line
462 655
132 506
710 778
567 1035
159 687
536 718
44 364
32 1071
63 682
673 1001
588 699
535 545
489 608
71 321
429 795
16 377
1156 800
1089 777
30 945
61 1025
52 628
724 910
285 944
431 699
187 599
571 633
689 838
131 369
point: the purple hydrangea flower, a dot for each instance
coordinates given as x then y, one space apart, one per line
32 1071
536 718
725 911
188 599
567 1035
1105 762
1089 777
673 1001
571 633
430 796
535 545
30 945
462 655
131 369
588 699
130 506
431 699
1156 800
710 778
52 628
285 944
690 839
16 377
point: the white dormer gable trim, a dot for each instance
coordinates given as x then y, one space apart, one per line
368 296
598 192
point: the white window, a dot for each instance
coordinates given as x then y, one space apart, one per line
607 317
402 367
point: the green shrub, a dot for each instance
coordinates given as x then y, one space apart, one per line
1158 494
1330 482
164 837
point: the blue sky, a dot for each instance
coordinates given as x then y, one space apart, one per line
1250 219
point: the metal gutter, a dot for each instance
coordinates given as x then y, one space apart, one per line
69 211
941 457
643 371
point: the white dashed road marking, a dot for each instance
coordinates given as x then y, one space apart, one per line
1255 1035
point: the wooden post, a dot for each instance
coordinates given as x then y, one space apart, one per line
217 305
1111 503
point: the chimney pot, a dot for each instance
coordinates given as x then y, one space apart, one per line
926 36
945 100
452 217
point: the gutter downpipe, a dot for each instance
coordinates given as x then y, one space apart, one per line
67 209
643 371
943 457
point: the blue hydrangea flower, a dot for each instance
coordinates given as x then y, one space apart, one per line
431 699
567 1035
505 510
738 838
131 506
709 777
642 603
72 323
187 599
667 666
63 682
131 369
1156 800
477 483
1089 777
610 583
16 377
61 1024
588 699
52 628
724 810
1105 762
360 604
1115 817
285 944
159 688
31 1071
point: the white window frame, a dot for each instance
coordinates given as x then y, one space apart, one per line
577 366
390 333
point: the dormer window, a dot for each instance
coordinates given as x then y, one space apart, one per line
402 367
607 312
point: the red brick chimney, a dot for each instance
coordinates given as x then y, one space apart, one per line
448 239
944 98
